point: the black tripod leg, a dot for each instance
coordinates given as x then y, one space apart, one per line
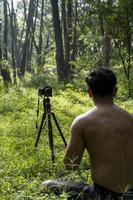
40 129
59 129
50 133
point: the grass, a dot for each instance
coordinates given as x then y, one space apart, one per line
22 169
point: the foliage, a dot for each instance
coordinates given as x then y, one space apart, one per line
4 64
22 168
47 76
88 29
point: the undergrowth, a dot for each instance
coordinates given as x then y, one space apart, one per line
22 169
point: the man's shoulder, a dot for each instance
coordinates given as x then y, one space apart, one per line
81 119
131 115
125 112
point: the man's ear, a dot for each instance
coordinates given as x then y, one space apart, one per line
90 93
115 91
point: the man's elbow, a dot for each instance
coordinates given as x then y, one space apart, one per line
69 164
66 163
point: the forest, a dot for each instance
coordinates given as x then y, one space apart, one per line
54 43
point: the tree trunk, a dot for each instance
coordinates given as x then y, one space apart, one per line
13 42
107 41
69 35
101 20
0 43
17 50
5 70
74 43
40 41
106 50
64 25
24 61
62 71
67 32
5 31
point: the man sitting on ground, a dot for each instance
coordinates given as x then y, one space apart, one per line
106 132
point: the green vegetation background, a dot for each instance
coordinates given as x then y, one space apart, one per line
22 169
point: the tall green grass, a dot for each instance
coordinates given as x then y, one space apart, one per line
22 169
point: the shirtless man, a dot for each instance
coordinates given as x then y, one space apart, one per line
106 132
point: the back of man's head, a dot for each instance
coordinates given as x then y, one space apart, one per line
101 81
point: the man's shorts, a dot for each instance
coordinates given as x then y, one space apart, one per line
97 192
81 191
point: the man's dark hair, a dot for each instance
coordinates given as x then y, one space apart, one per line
101 81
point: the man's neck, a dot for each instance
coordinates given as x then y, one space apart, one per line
105 101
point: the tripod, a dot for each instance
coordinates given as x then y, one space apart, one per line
49 114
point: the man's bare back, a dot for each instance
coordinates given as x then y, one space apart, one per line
107 133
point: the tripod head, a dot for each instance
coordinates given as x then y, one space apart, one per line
45 91
46 104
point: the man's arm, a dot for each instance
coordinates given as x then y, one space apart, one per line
75 149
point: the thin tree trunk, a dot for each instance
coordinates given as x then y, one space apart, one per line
24 61
17 50
40 42
129 44
64 26
69 34
106 50
32 39
13 42
29 54
74 43
5 31
0 43
107 41
101 21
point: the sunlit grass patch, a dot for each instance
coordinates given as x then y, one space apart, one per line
22 168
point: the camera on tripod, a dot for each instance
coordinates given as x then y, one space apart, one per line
45 91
